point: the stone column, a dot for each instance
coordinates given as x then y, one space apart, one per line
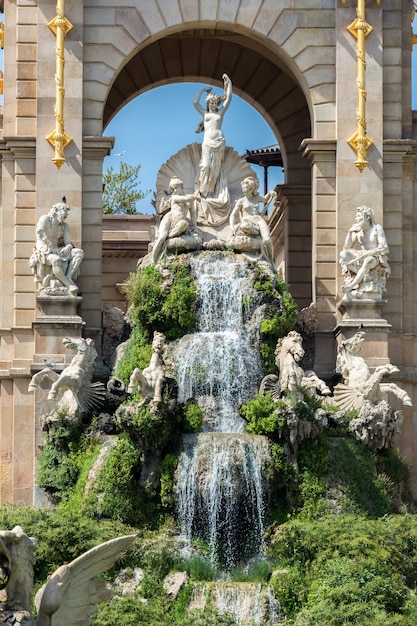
90 281
322 155
298 262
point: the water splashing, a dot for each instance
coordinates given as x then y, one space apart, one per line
219 365
222 472
221 488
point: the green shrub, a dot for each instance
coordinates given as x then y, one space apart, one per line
192 419
390 464
200 568
58 462
290 587
150 429
116 493
257 572
343 567
61 535
279 315
163 302
353 473
167 469
262 415
85 460
137 354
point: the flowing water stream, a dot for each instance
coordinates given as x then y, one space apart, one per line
223 472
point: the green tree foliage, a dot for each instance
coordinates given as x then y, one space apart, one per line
121 190
347 570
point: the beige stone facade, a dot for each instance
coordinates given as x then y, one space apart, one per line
296 63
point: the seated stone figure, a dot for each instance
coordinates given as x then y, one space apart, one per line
175 222
55 261
247 222
150 381
364 257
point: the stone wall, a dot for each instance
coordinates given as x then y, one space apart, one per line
297 64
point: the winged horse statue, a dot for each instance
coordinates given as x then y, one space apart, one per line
69 597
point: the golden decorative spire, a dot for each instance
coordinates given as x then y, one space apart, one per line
413 7
59 139
360 29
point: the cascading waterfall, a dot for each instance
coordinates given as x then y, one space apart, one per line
222 472
245 602
219 365
221 482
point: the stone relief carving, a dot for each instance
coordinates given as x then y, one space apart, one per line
364 257
73 388
150 381
377 424
71 593
249 229
175 225
55 261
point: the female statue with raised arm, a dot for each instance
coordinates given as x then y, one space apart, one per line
214 142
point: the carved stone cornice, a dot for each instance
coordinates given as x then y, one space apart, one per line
398 149
319 149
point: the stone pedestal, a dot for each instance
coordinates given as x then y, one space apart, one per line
56 318
366 315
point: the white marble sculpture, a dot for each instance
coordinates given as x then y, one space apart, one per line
73 389
150 381
376 424
55 261
292 380
175 228
71 593
292 384
211 182
359 383
364 258
250 232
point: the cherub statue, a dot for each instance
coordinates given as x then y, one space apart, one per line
175 223
150 381
71 593
364 257
55 261
247 220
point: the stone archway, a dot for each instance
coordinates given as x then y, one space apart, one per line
263 80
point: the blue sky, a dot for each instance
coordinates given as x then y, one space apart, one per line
158 123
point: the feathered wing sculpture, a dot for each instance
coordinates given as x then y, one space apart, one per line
70 596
